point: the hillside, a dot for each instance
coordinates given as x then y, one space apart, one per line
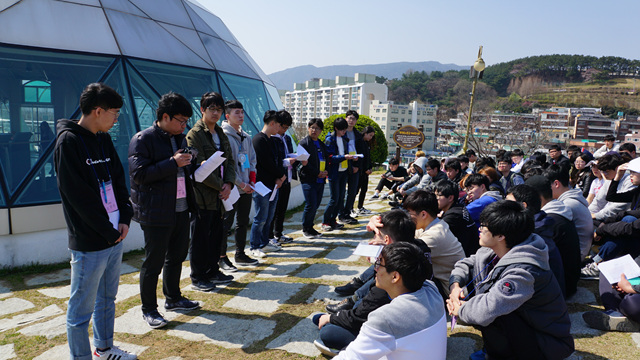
284 79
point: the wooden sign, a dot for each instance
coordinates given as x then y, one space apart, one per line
408 137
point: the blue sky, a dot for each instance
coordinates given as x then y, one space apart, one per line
281 34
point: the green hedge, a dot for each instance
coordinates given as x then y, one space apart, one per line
379 150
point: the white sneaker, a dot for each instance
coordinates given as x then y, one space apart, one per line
270 248
114 353
257 253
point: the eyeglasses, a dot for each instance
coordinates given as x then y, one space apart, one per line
214 109
182 122
378 264
115 113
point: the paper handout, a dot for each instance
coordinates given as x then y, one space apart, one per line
372 251
613 268
234 195
208 166
273 194
261 189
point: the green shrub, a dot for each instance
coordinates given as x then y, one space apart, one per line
379 147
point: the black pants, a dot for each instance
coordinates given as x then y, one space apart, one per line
384 182
352 190
206 236
165 249
277 225
363 185
509 337
241 210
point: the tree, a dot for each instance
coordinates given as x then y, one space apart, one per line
379 150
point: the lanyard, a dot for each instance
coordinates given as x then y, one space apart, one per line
454 318
100 182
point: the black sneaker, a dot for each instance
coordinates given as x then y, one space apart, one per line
348 220
202 285
283 239
226 265
337 226
221 278
345 304
315 232
182 304
350 288
244 260
154 319
308 234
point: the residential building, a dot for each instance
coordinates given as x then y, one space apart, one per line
626 125
391 117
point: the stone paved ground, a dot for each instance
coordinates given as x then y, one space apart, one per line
264 314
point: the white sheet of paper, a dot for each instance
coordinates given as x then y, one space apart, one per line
114 217
261 189
273 194
211 164
360 155
372 251
613 268
302 157
234 195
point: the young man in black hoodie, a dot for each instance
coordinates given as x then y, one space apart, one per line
97 210
356 146
457 216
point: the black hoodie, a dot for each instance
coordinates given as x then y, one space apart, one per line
79 185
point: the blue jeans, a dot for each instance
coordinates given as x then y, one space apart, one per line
94 284
336 337
337 186
614 248
312 196
353 181
265 210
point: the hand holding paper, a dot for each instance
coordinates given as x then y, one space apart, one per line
208 166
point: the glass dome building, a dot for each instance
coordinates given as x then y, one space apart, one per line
50 50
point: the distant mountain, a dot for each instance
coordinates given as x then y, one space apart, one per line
284 79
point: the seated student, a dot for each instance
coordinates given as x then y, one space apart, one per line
609 145
464 164
621 307
601 208
509 178
396 175
453 169
619 234
529 198
435 175
446 250
517 157
413 323
477 188
582 177
494 179
629 148
514 299
419 169
457 216
471 155
341 327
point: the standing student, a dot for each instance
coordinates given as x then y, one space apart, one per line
367 136
245 163
162 196
355 146
313 176
96 206
208 138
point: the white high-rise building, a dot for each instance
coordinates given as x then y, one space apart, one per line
322 98
391 117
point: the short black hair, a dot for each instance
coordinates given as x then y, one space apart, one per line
233 104
527 194
454 164
340 124
531 168
540 157
556 172
610 161
510 219
477 179
212 98
505 158
609 137
573 148
173 104
422 200
484 161
269 116
541 184
99 95
284 118
398 225
627 147
517 152
433 164
470 153
316 121
409 261
394 161
448 188
368 129
463 158
352 112
555 147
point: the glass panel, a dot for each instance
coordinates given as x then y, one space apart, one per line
190 39
215 23
146 100
200 24
144 38
123 6
274 96
36 88
249 61
250 125
169 11
189 82
58 25
251 94
43 187
225 59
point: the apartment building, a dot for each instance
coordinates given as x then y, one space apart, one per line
391 117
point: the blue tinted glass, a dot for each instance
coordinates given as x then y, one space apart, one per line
145 99
52 83
252 114
226 59
42 187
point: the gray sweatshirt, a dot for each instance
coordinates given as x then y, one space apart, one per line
242 148
579 207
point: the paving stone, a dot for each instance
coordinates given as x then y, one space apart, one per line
224 331
4 290
636 339
330 239
325 294
460 347
49 329
53 277
131 322
299 339
14 305
60 292
127 269
582 296
579 327
236 276
331 272
6 352
173 358
342 254
26 319
359 231
62 351
125 291
263 296
296 252
280 270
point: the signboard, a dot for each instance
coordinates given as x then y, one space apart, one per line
408 137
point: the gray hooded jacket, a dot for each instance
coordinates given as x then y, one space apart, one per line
241 145
579 207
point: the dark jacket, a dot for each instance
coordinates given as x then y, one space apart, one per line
153 174
207 191
544 228
87 220
359 150
566 238
289 143
463 227
268 162
564 162
334 155
309 173
613 227
366 163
